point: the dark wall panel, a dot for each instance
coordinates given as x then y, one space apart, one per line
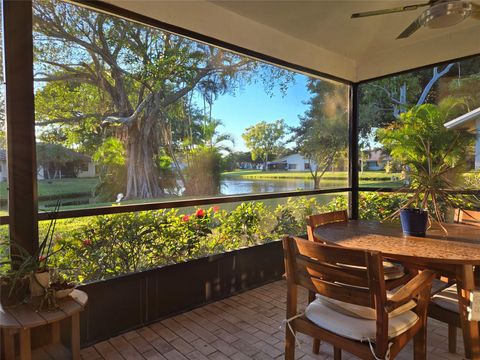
131 301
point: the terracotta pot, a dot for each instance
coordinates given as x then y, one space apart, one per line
12 297
39 282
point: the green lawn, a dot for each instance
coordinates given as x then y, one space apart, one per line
336 175
63 186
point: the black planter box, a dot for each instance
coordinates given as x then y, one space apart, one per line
134 300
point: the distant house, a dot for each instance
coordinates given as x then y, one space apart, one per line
293 162
376 160
82 167
3 165
471 122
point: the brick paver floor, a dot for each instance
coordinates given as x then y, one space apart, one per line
245 326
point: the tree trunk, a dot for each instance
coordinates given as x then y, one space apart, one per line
142 174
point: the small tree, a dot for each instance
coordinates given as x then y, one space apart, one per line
435 155
264 139
322 135
111 158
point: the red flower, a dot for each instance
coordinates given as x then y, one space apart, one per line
185 218
200 213
41 258
87 242
216 209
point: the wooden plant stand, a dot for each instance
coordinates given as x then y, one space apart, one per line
25 317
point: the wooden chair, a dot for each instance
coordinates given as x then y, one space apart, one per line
355 277
396 274
444 307
467 217
444 304
313 221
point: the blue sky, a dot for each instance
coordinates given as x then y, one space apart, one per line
252 104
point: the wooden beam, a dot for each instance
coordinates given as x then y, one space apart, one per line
353 181
20 114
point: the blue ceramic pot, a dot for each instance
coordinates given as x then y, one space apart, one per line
414 222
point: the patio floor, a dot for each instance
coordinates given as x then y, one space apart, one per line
244 326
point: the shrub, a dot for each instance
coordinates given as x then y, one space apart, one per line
110 245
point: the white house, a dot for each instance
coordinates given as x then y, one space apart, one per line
469 121
376 160
293 162
3 165
87 169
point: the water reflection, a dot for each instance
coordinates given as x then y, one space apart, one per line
252 186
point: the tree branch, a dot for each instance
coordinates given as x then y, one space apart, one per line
436 75
127 120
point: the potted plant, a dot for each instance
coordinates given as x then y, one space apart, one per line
435 160
20 270
14 275
61 285
40 275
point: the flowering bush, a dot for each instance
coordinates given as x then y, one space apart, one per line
110 245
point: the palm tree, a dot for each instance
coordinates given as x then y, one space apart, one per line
211 137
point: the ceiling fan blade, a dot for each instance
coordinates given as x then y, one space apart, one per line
389 11
414 26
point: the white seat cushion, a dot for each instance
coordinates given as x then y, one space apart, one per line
362 312
447 298
393 270
353 327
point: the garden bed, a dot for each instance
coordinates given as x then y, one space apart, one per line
130 301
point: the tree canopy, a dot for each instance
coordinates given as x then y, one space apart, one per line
322 135
115 78
264 139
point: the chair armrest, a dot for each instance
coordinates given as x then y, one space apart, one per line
410 290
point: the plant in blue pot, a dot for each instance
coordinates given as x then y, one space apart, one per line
414 221
434 159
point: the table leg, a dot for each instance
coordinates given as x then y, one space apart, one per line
25 345
471 336
8 344
55 329
76 336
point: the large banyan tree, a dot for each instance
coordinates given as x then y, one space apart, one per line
125 80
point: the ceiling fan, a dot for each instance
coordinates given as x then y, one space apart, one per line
439 14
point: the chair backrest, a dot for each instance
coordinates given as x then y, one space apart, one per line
349 275
468 217
316 220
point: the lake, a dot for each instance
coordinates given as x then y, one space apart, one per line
234 186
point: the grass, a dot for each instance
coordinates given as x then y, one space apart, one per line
334 175
62 186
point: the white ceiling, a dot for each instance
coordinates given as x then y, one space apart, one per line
319 34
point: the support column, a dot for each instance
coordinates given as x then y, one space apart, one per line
353 153
19 100
477 145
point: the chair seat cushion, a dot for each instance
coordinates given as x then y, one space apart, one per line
447 298
393 270
353 327
362 312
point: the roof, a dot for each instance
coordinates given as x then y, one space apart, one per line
466 121
320 34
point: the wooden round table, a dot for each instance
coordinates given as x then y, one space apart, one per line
25 317
453 255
